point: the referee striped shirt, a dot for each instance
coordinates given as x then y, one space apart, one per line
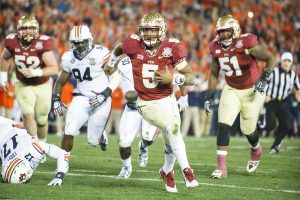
281 83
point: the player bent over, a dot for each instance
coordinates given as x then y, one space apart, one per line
21 154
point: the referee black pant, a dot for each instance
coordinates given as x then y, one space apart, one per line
282 111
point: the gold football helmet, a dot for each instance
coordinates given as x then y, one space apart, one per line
227 23
152 29
28 29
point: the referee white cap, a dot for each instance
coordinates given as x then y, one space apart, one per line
287 56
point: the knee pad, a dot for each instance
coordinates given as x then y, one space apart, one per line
253 138
42 120
147 142
168 149
223 135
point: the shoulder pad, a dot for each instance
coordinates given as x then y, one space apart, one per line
11 36
174 40
135 37
44 37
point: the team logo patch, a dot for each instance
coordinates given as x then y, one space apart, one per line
92 61
239 44
72 60
167 53
140 57
39 45
17 50
218 51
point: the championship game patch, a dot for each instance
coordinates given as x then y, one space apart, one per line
92 61
140 57
39 45
239 44
167 53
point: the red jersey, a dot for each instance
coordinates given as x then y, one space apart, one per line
170 53
241 70
29 57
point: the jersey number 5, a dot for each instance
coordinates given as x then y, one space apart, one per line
148 75
226 63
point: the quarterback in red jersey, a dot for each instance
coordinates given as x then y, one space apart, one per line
34 59
236 55
153 57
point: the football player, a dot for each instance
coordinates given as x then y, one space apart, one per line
237 56
152 54
131 121
35 62
20 154
92 101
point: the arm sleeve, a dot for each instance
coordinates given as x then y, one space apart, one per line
64 62
48 45
59 154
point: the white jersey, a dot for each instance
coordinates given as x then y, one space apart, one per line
125 70
16 142
88 70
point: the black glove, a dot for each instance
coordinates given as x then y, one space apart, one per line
209 97
100 97
262 83
131 105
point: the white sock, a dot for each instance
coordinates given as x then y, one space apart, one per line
181 157
127 162
256 146
169 162
143 145
221 152
42 140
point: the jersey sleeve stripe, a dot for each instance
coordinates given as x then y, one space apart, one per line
181 65
106 57
38 148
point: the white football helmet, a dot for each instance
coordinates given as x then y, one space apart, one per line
227 22
81 39
153 21
17 171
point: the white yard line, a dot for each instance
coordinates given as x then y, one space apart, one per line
157 180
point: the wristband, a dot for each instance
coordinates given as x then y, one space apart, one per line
178 79
37 72
112 60
3 76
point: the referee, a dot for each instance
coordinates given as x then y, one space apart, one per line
281 84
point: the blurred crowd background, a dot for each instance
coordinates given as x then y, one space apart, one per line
275 22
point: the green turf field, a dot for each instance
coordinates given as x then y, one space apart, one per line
93 173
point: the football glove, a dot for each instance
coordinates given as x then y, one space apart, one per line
183 103
57 180
100 97
262 83
208 101
58 106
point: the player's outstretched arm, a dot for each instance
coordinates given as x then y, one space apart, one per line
62 158
110 67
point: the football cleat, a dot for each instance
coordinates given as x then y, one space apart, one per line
274 150
143 155
125 172
254 159
190 181
103 142
219 174
168 180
